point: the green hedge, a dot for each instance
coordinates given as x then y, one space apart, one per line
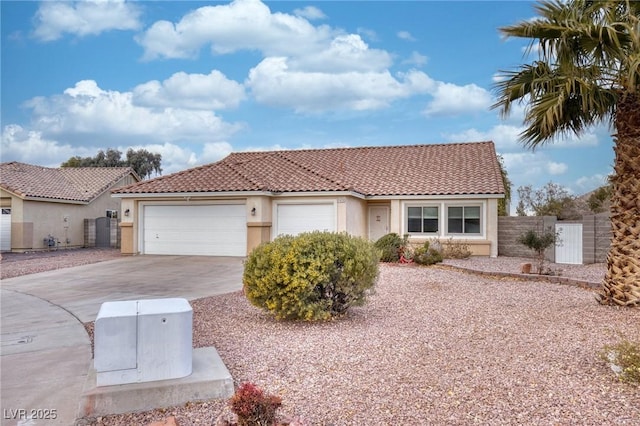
390 246
313 276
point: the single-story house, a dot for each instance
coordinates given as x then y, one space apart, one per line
44 207
229 207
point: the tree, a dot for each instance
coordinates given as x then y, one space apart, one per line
143 162
550 200
599 199
539 243
588 73
503 203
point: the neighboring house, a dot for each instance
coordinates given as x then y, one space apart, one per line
41 202
229 207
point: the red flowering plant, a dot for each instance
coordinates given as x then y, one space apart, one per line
253 407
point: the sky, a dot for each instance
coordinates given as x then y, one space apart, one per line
195 81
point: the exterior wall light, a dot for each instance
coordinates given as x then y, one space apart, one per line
253 211
126 212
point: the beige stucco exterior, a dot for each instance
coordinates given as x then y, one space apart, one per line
351 216
33 220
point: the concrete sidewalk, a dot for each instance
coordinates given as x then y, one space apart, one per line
46 352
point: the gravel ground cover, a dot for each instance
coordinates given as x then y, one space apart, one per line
17 264
432 346
593 273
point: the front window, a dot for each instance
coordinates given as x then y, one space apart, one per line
422 220
463 220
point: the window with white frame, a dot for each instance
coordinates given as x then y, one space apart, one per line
423 219
463 220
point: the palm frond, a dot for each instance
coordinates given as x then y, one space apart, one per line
589 54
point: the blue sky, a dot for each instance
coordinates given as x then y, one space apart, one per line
195 81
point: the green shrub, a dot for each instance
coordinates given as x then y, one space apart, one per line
313 276
625 356
391 246
538 242
427 255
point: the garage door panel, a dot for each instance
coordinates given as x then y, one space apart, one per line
212 230
294 219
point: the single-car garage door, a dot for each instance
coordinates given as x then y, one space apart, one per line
293 219
208 230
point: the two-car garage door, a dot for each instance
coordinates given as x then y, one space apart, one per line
221 229
210 230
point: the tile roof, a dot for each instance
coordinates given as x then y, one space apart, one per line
439 169
77 184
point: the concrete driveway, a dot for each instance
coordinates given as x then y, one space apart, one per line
46 353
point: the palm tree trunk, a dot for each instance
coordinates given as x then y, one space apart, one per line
621 285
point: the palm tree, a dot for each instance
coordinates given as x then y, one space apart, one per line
588 73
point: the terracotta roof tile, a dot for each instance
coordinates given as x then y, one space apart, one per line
442 169
81 184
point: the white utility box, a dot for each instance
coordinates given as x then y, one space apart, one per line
143 341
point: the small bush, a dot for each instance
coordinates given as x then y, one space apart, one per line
538 243
427 255
313 276
625 356
455 249
391 246
253 407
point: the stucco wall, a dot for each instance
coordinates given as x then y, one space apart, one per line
33 221
351 216
356 217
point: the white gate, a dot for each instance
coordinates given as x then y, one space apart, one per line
569 246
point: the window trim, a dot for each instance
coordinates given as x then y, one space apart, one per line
405 224
482 221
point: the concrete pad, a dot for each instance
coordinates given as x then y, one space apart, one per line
45 350
82 289
44 361
210 380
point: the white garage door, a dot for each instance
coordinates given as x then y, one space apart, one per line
293 219
5 230
209 230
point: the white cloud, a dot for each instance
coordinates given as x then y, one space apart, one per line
191 91
53 19
497 77
554 168
29 146
527 168
310 12
416 59
451 99
215 151
344 53
405 35
572 140
240 25
87 112
504 136
273 83
178 157
368 33
589 183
